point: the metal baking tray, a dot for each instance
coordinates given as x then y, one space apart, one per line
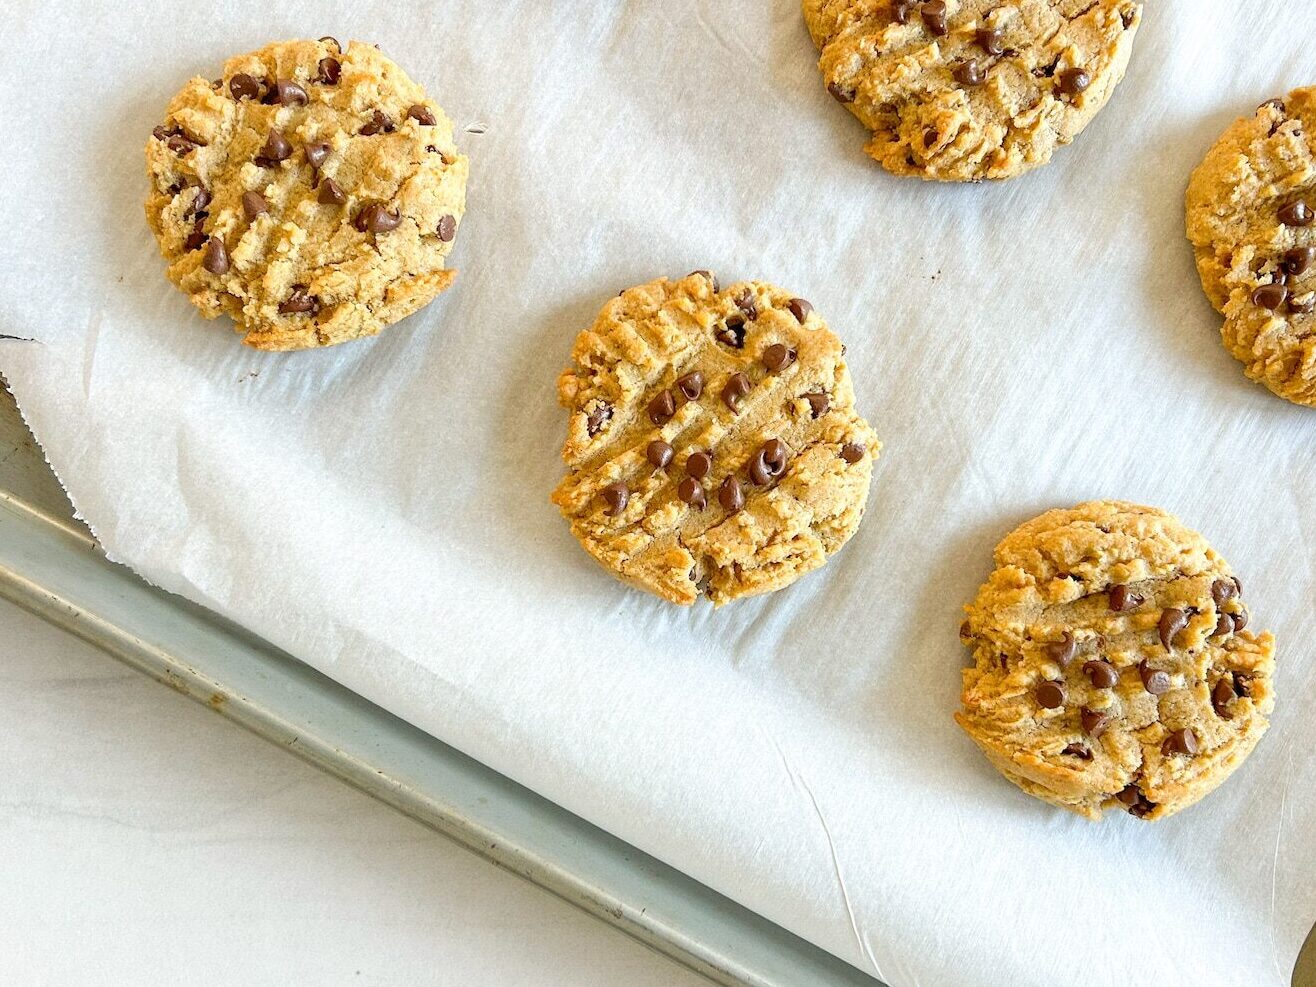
51 565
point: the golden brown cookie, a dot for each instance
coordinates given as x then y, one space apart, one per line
713 440
312 194
1112 668
1250 207
961 90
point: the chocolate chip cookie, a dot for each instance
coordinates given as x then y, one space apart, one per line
1250 206
713 442
961 90
1113 667
310 192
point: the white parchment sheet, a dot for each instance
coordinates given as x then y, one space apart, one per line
381 509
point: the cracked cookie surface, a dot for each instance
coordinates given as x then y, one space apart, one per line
310 193
1250 210
1112 664
962 90
713 441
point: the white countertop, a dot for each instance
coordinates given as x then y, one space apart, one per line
147 840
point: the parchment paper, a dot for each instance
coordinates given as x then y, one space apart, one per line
381 509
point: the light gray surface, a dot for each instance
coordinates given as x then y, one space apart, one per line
132 817
50 566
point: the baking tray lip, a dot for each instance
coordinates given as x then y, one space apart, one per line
50 566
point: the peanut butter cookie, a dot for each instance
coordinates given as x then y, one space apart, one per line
1250 215
311 193
713 441
1112 664
961 90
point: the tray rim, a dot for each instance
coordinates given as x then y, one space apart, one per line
52 567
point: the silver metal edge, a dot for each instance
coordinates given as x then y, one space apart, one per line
55 571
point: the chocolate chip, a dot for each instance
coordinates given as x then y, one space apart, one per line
616 496
447 228
375 218
778 357
712 278
215 259
422 114
966 630
698 465
1240 620
1296 214
597 418
840 93
243 86
902 9
733 333
934 16
331 193
691 385
800 308
1154 680
1063 650
659 453
818 403
1270 296
748 304
1127 18
299 302
1302 304
1101 674
317 153
734 391
197 237
1222 695
1078 751
180 144
1136 802
852 452
691 491
929 138
377 124
1298 259
1122 600
1094 722
253 204
1180 742
970 73
276 149
1222 591
662 408
768 463
1173 620
730 496
330 70
197 207
1224 624
991 40
1051 695
288 93
1074 81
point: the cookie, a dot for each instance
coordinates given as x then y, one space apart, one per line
713 442
1250 210
1113 667
310 193
961 90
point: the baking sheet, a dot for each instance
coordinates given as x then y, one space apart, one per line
380 510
